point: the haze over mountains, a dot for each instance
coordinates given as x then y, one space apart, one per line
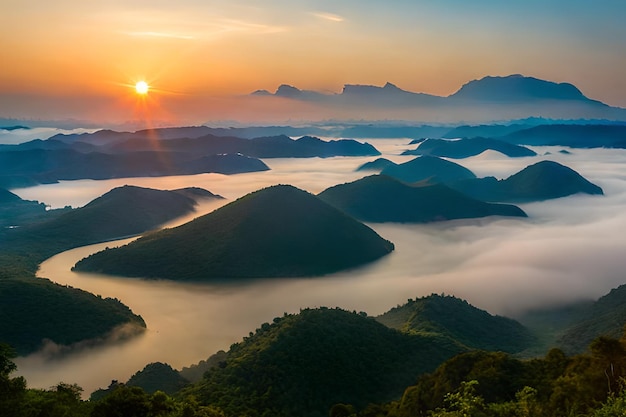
108 154
487 99
282 231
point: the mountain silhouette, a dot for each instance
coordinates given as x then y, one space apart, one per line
485 100
464 148
541 181
430 168
376 165
279 231
575 136
379 198
123 211
49 166
518 88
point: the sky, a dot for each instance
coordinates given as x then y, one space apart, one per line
72 59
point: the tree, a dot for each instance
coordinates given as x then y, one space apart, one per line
462 403
610 355
12 390
124 401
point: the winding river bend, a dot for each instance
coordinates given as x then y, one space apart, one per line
569 249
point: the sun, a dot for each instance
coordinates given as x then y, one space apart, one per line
142 87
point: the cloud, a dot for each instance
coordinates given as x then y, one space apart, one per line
568 249
331 17
17 136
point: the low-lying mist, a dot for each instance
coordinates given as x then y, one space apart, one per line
568 249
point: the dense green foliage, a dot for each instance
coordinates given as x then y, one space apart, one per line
332 362
431 168
541 181
379 198
303 364
279 231
464 148
66 315
606 316
63 315
493 384
123 211
15 212
457 319
153 377
195 372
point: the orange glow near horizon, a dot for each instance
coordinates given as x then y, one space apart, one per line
200 61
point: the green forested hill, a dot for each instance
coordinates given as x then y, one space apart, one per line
34 310
15 212
466 147
460 321
302 364
541 181
279 231
572 327
61 314
123 211
431 168
605 317
379 198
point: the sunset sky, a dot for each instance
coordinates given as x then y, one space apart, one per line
80 59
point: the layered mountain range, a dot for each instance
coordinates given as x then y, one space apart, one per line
505 97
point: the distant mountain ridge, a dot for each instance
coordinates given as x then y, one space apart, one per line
486 100
518 87
515 87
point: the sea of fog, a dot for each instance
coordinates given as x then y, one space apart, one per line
568 249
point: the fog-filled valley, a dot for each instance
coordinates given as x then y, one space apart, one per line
568 249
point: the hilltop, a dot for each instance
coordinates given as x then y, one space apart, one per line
430 168
302 364
482 100
516 87
27 302
460 321
58 317
279 231
121 212
464 148
541 181
379 198
574 326
15 211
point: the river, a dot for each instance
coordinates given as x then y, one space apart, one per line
568 249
